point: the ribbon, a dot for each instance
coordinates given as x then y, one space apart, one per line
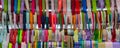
40 13
33 6
15 5
18 6
101 3
47 14
9 45
77 10
83 20
59 5
35 20
76 35
5 5
118 7
19 35
94 6
12 5
53 18
43 6
27 19
24 20
107 2
64 7
69 17
27 5
31 20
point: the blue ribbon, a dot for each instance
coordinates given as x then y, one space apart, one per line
39 44
15 5
27 19
24 19
84 5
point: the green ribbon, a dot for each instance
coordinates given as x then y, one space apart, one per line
5 5
0 45
19 35
94 7
108 5
83 19
43 6
60 19
19 5
62 44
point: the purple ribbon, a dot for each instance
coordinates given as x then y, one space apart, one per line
22 6
101 3
88 33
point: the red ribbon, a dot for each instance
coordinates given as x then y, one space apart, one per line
24 36
40 13
113 35
12 5
53 23
13 35
33 6
46 35
59 5
77 6
73 6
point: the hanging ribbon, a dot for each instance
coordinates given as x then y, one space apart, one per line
5 5
43 6
40 13
118 7
19 36
69 17
18 6
94 6
47 14
53 18
15 5
33 6
31 20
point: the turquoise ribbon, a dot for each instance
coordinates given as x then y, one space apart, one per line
15 5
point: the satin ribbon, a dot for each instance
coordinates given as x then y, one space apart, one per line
69 17
59 5
18 6
94 6
5 5
13 36
53 17
118 7
77 10
24 20
83 20
76 35
31 20
12 5
47 14
27 4
15 5
43 6
20 35
101 3
10 45
107 2
33 6
40 13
